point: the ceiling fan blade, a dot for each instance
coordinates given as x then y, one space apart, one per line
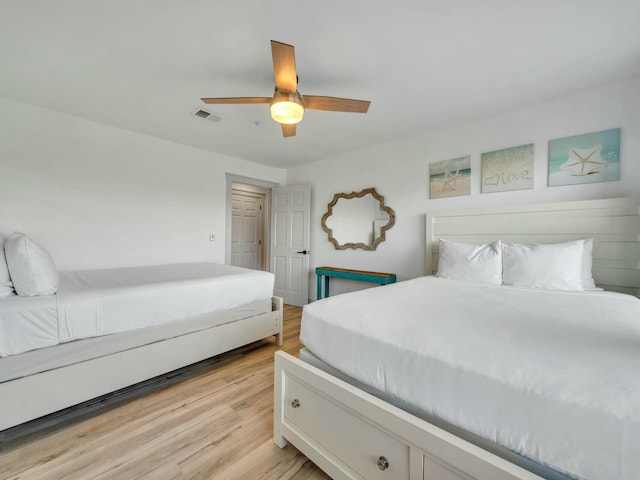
284 66
288 130
334 104
237 100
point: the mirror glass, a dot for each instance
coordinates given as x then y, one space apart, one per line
357 220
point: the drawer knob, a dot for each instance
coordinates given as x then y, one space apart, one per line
383 463
295 403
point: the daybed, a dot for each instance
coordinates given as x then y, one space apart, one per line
447 379
107 329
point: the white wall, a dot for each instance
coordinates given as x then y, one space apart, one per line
399 171
98 196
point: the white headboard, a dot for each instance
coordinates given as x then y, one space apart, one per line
613 223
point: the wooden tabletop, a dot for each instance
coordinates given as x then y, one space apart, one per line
362 272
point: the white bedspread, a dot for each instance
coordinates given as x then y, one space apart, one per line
27 323
100 302
554 376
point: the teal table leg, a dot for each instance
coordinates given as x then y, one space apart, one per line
319 287
326 287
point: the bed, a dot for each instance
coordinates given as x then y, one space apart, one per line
107 329
545 386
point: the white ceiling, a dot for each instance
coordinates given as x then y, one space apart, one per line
144 64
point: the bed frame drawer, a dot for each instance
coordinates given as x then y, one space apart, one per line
345 431
371 452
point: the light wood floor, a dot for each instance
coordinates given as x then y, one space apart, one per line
211 421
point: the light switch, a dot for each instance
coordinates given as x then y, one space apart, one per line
212 237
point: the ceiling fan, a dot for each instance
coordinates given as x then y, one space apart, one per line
287 104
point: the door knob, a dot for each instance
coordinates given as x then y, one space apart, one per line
304 252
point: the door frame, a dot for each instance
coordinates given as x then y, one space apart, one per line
251 185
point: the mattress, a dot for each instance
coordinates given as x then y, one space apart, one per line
44 359
27 323
549 375
101 302
95 303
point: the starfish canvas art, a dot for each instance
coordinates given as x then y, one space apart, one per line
589 158
450 178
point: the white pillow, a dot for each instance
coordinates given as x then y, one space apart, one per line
31 267
6 287
556 266
466 261
587 264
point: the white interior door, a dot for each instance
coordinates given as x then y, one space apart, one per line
290 226
247 214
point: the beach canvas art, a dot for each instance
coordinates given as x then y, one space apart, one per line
507 169
450 178
589 158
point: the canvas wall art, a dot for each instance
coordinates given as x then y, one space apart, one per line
450 178
507 169
589 158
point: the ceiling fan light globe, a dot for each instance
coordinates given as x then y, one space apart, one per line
287 112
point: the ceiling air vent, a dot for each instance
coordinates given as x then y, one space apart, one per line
212 117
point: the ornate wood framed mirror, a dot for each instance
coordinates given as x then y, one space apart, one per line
357 220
